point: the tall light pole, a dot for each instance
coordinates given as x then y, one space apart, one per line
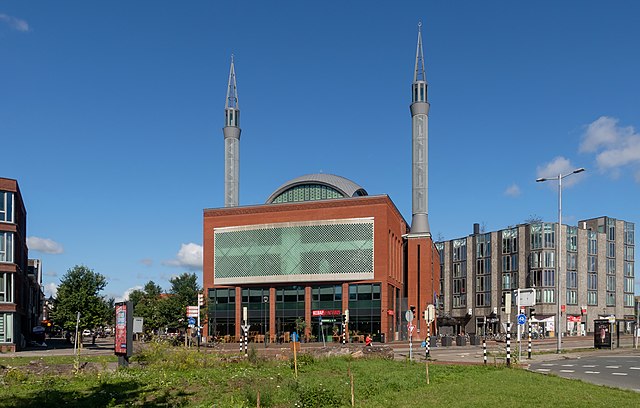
559 177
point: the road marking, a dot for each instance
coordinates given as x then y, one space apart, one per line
568 365
634 368
592 372
589 366
612 367
543 369
618 373
547 364
567 371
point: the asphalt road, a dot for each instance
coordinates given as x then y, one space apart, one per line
620 371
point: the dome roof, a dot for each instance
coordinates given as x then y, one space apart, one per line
343 186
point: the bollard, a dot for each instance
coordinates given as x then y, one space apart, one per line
508 342
529 349
428 340
484 350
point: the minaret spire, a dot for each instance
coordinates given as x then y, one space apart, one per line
231 133
420 145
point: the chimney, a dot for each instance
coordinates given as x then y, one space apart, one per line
476 228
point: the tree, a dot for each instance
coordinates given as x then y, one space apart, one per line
79 292
184 292
147 304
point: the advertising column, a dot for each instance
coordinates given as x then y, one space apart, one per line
124 332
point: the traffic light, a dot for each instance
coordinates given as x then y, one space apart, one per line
532 312
200 299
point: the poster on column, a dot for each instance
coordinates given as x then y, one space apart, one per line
121 329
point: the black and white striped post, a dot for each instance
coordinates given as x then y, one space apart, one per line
484 350
529 349
428 340
508 344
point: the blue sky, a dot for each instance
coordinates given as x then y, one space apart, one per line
111 115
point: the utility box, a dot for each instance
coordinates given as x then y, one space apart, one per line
602 333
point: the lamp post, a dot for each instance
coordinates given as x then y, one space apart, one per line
559 177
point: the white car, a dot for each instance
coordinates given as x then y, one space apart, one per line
86 333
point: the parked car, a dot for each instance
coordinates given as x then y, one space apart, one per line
86 333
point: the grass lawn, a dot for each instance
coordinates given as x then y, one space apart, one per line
166 376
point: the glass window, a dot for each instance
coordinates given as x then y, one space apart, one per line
6 287
592 243
6 206
611 298
572 297
572 280
628 300
572 239
629 234
592 298
592 281
611 266
6 327
628 268
611 283
460 249
629 253
592 264
6 247
611 249
510 241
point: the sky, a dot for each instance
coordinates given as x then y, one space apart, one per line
111 116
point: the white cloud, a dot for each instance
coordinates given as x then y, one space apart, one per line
53 274
50 289
46 245
615 146
15 23
146 261
513 190
125 295
557 166
189 256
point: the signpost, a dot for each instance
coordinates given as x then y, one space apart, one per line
409 317
429 317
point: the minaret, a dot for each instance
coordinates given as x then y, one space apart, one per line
420 146
231 132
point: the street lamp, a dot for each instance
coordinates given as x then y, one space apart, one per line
559 177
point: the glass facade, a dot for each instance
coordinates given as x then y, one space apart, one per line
307 192
222 312
483 270
328 251
364 310
459 292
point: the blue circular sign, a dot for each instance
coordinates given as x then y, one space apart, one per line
522 319
192 321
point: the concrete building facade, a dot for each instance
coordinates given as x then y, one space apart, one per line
597 272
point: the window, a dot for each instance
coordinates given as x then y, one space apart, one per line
592 264
483 245
611 298
572 280
6 206
572 239
6 247
572 297
483 283
611 249
547 296
460 249
549 278
592 243
509 263
611 266
483 299
536 236
549 236
510 241
592 298
628 253
509 281
572 259
592 281
628 300
628 285
611 229
6 287
629 237
611 283
628 268
6 327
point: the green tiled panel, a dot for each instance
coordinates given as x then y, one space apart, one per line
294 250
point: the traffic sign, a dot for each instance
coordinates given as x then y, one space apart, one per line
408 315
245 327
192 321
193 311
522 319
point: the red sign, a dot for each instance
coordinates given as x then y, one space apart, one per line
563 308
576 319
121 329
584 310
325 312
390 312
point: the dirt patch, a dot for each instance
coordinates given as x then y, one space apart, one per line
38 367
